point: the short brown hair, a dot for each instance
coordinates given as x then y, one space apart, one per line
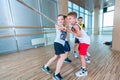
65 16
74 14
62 15
80 18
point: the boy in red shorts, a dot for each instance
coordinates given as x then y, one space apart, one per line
84 42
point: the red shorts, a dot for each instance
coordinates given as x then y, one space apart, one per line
83 49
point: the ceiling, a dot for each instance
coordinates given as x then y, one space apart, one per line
91 4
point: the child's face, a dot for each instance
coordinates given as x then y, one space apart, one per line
60 20
79 21
66 20
71 20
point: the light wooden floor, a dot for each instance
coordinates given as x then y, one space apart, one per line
26 65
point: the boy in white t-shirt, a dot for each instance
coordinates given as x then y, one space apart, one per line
84 42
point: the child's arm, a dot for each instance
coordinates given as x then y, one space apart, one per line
76 32
60 27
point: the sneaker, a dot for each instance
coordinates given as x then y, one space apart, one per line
57 77
87 59
81 73
47 70
75 55
67 60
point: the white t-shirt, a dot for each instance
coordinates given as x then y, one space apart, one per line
84 38
60 36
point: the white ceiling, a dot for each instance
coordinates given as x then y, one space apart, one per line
91 4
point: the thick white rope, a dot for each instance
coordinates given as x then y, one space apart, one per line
37 11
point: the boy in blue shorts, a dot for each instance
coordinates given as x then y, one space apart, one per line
59 49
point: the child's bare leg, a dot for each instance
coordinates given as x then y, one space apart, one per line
76 47
52 60
83 62
60 62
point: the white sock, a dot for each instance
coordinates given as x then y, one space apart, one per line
45 66
83 67
56 73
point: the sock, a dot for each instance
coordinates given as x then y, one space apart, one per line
83 67
56 73
45 66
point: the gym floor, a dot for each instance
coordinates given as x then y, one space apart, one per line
26 65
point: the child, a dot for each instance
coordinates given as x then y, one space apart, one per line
77 40
67 45
84 42
81 25
80 19
59 49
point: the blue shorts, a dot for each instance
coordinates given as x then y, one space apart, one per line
59 48
66 46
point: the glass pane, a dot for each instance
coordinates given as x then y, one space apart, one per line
75 6
100 20
107 30
7 45
89 13
110 8
69 10
69 4
89 30
101 10
81 9
86 21
86 11
108 18
92 22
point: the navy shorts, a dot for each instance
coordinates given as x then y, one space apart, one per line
77 40
66 46
59 48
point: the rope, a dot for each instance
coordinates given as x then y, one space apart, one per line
37 11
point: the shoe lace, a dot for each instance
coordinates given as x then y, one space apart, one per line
84 70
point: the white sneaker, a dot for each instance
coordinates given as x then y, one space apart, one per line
87 59
81 73
88 54
75 55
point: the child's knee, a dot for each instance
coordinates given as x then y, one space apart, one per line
56 57
63 56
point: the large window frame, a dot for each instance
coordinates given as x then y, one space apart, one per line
105 28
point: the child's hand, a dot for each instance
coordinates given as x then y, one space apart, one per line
62 28
69 30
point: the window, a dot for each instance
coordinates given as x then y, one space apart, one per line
69 9
81 9
86 21
69 4
75 6
108 19
110 8
86 11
